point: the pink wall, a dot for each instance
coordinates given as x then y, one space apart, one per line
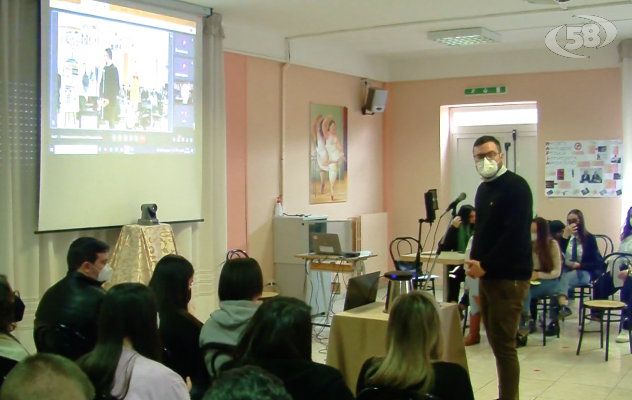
576 105
305 86
254 124
236 131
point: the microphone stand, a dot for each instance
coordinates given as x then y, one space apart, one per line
441 242
417 282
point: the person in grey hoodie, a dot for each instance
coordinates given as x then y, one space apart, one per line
240 286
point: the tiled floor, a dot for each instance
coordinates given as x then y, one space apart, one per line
551 372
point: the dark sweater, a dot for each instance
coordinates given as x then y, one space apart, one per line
180 335
451 380
307 380
504 211
73 302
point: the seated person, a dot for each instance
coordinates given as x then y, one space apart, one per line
413 347
556 230
74 301
125 361
11 311
582 263
456 239
179 330
623 272
46 377
247 383
474 333
547 266
279 340
240 286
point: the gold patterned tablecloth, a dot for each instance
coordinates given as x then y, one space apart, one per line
137 251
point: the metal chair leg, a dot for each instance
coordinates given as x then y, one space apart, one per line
607 333
544 323
601 331
465 317
581 333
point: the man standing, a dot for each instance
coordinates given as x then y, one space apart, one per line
501 257
110 88
74 302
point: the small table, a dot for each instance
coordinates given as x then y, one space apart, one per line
359 334
446 258
267 296
137 250
336 264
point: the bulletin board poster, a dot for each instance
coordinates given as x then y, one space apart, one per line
583 169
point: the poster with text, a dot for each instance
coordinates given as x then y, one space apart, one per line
328 154
583 169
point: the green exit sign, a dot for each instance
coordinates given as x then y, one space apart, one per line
485 90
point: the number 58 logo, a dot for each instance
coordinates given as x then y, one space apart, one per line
577 37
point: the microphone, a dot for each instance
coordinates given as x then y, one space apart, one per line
456 201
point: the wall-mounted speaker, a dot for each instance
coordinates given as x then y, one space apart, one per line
375 101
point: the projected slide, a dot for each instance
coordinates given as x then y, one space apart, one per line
121 81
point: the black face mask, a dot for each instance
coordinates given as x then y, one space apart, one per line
18 308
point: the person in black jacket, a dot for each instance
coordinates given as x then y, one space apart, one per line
179 329
74 301
582 264
278 339
109 89
456 239
501 257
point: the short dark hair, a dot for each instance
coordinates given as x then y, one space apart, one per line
240 279
170 282
556 226
46 377
280 329
486 139
85 249
109 51
7 297
247 383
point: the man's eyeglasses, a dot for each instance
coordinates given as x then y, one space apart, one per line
490 156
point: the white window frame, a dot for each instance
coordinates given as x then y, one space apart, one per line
483 116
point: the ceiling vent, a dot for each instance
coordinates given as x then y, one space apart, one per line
464 37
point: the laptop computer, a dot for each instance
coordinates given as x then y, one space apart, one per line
362 290
326 244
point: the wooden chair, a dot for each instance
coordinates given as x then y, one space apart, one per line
236 253
604 306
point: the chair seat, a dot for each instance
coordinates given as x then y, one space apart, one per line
604 304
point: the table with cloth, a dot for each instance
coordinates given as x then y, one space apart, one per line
359 334
137 250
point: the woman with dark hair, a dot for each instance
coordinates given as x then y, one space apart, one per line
547 266
11 311
279 340
126 360
456 239
179 330
240 286
582 264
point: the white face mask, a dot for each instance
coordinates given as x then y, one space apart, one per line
105 274
487 168
534 237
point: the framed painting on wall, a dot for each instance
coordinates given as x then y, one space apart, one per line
328 180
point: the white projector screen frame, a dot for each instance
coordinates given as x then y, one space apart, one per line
79 189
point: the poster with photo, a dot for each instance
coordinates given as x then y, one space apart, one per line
583 169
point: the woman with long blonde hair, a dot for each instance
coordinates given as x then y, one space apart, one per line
414 345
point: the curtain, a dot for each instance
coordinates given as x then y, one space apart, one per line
33 263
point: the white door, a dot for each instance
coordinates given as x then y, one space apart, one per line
464 177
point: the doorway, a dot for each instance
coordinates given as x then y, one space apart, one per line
521 151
